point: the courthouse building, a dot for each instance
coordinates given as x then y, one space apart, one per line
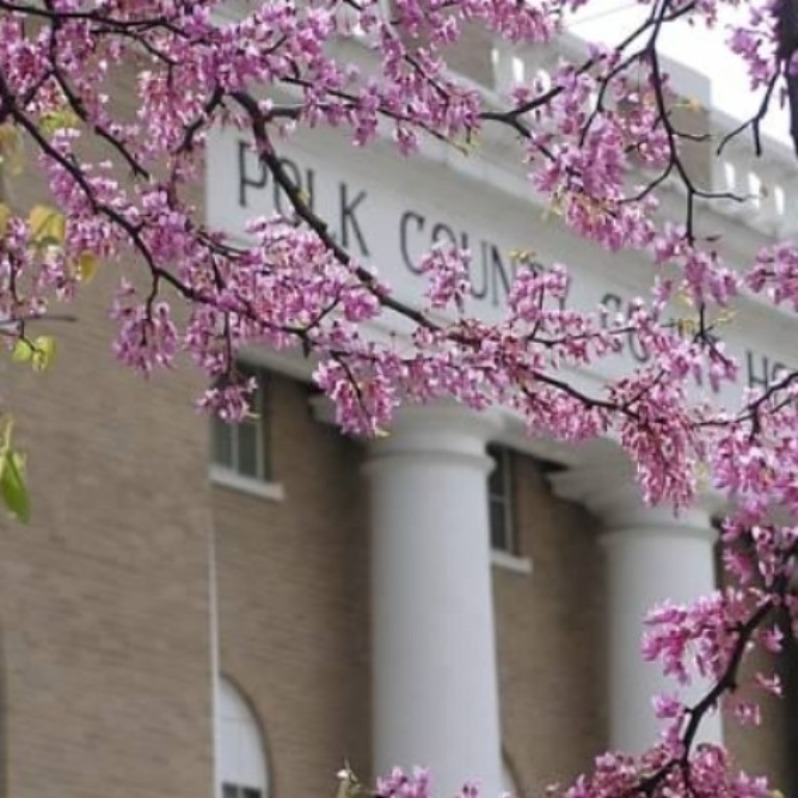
199 608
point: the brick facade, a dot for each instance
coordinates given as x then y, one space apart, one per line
549 639
294 597
104 599
106 677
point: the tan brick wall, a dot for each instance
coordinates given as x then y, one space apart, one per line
471 55
103 600
551 655
767 749
294 597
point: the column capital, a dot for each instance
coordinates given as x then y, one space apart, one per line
608 489
440 426
429 425
437 432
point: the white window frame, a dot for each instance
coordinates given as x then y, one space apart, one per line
241 765
230 475
507 557
503 497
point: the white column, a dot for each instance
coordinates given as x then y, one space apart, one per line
651 555
435 688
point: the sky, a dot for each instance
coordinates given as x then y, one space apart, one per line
694 46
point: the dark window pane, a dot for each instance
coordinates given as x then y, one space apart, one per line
500 498
229 791
250 792
248 442
222 442
264 431
496 478
498 526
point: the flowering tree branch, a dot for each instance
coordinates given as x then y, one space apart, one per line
601 144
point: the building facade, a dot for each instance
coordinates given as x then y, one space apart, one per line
198 609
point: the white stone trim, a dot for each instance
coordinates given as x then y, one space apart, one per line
227 478
511 562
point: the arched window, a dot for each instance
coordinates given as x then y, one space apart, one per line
241 762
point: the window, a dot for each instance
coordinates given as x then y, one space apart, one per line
500 501
244 448
241 763
235 791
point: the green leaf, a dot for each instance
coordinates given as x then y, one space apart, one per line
43 352
11 154
87 265
23 351
5 215
58 119
6 444
39 352
12 485
47 226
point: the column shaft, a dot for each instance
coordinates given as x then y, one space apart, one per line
652 556
644 568
435 691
